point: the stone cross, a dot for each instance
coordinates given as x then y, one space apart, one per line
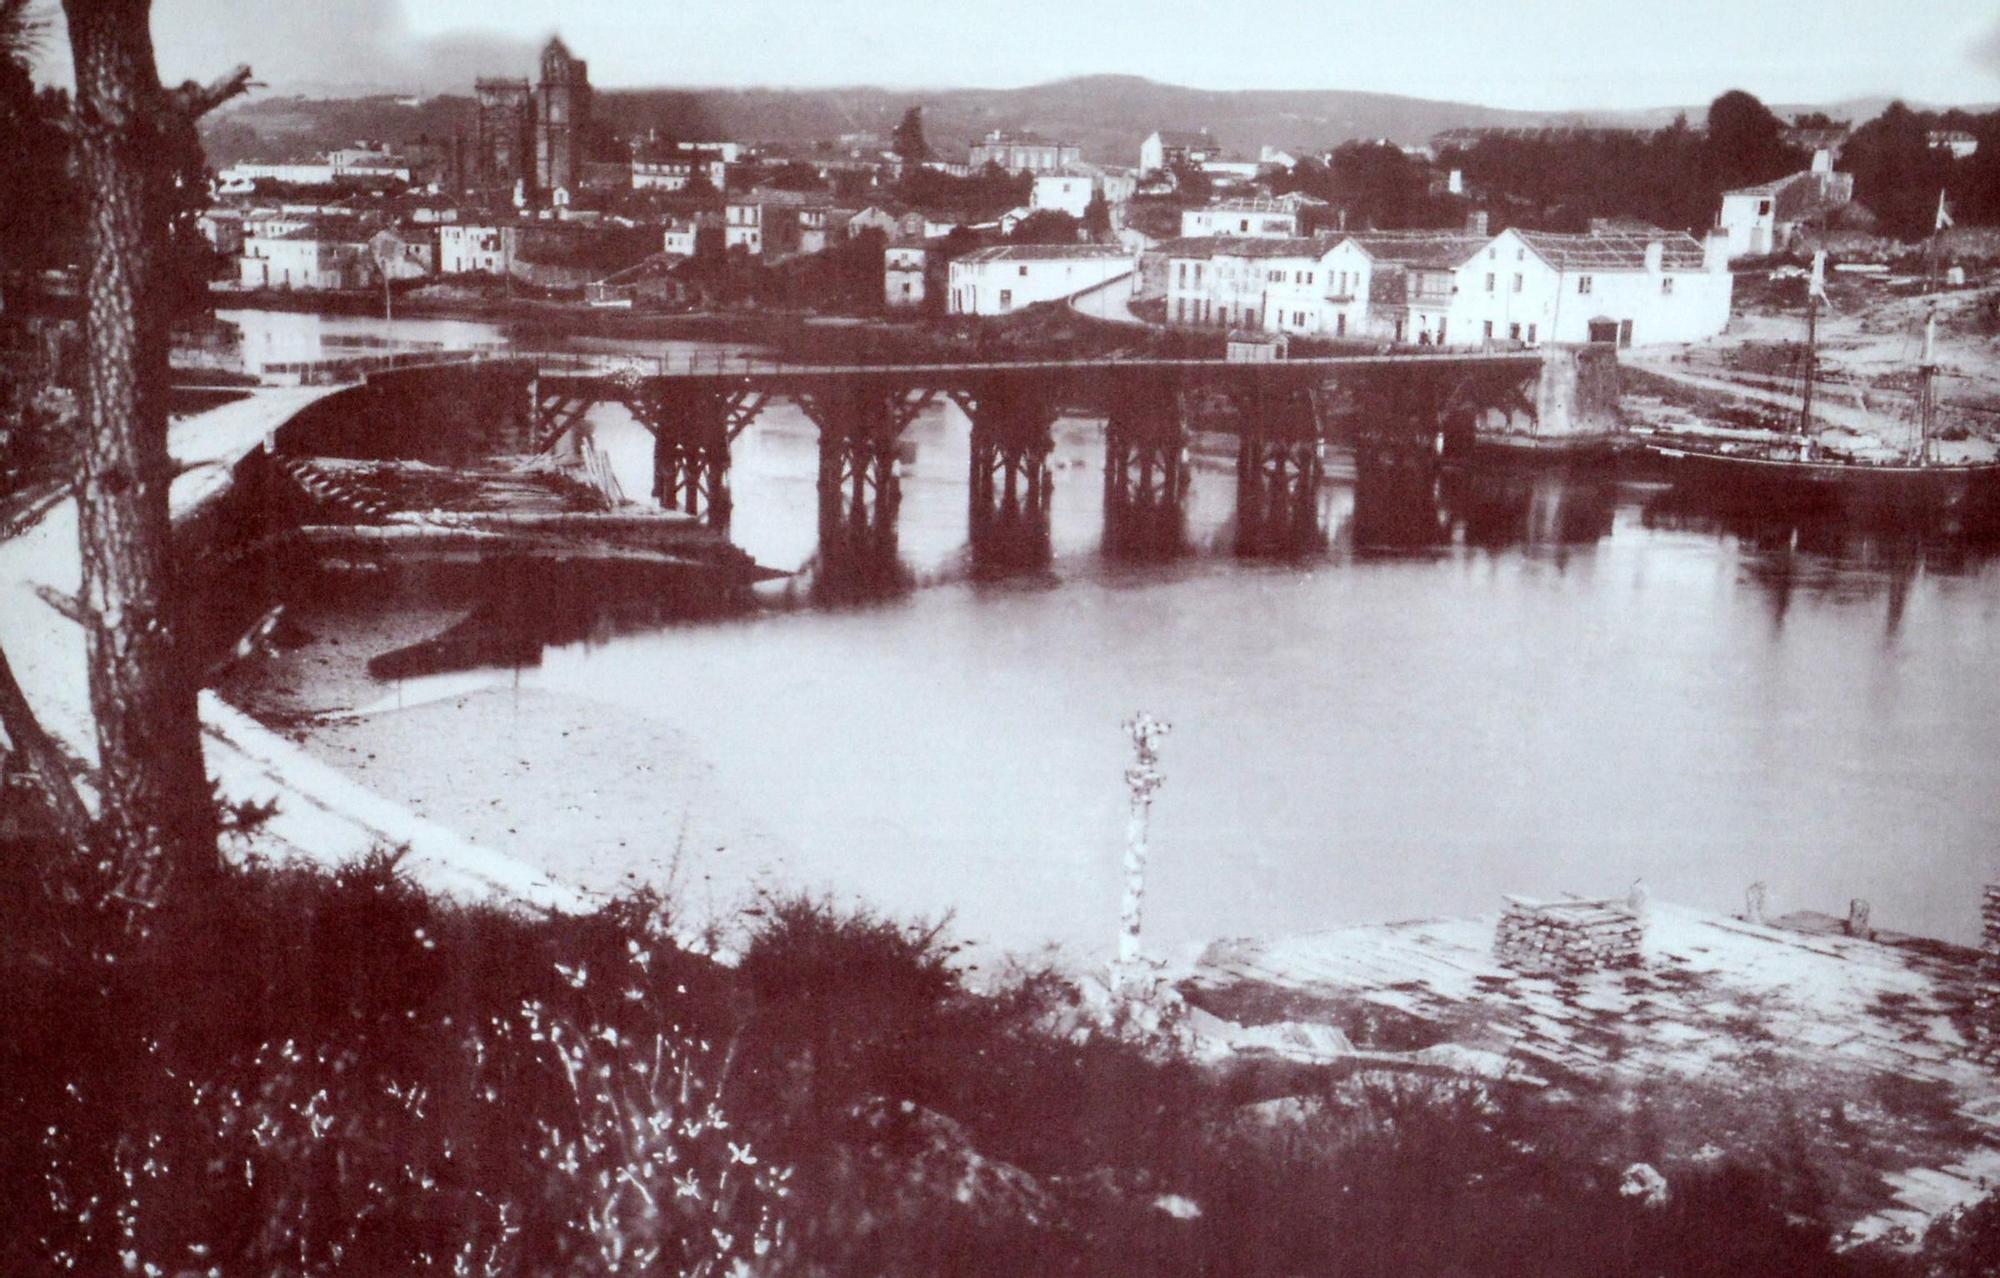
1142 778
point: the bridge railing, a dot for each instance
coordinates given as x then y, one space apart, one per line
725 363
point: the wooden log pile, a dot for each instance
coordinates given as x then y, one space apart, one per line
1567 937
1986 1001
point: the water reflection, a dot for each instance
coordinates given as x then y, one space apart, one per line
1823 555
516 609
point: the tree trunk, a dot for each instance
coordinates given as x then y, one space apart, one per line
156 809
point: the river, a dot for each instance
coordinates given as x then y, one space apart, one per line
1529 685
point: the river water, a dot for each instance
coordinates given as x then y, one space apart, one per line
1519 684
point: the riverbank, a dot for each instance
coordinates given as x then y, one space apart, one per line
559 781
1861 1056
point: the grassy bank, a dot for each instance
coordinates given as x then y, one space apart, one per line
333 1073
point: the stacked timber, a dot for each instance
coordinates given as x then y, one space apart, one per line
1567 937
1986 998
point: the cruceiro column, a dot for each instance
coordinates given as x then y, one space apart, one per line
1141 779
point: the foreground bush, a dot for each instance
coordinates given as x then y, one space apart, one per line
312 1073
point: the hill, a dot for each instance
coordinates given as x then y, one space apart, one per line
1109 115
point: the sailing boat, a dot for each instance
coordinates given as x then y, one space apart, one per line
1798 471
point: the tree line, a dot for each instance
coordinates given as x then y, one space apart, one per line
1675 177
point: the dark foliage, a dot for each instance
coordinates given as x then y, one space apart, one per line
334 1073
984 195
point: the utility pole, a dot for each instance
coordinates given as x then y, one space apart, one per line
1142 778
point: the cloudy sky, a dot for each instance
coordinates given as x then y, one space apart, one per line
1539 54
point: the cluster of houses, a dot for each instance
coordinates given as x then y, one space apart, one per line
1235 256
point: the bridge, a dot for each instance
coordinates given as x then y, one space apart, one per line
1412 404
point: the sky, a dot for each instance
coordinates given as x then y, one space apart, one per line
1531 54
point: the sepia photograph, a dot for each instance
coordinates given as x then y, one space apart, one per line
904 639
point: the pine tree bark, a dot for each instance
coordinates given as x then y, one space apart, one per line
156 813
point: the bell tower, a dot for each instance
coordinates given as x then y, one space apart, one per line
562 118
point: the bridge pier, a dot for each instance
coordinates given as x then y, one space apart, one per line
860 424
692 429
1146 474
1011 482
1278 472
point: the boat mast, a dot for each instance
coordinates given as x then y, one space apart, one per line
1927 390
1814 290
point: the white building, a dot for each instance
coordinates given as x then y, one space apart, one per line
1268 218
772 223
998 281
1760 220
675 172
1647 288
1071 189
464 248
1956 141
1170 148
1015 152
905 268
1640 288
1400 286
315 257
1257 283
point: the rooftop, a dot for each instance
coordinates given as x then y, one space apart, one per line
1046 253
1615 250
1420 248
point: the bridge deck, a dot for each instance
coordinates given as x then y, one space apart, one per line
722 366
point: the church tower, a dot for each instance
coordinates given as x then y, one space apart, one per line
562 119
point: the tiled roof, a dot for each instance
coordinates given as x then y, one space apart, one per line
329 233
1614 251
1420 248
1186 138
793 199
1312 246
1045 252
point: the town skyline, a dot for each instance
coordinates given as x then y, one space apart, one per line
1583 61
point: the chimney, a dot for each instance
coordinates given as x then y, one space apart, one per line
1455 184
1715 252
1656 256
1475 222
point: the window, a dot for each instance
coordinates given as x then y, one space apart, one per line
1518 281
1531 334
1197 274
1489 330
1489 281
1244 226
1006 298
1340 324
1667 286
1309 277
1583 283
1513 332
1441 330
906 290
1024 271
1183 274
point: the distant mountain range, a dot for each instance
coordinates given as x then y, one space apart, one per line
1109 115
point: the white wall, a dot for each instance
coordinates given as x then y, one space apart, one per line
1751 231
1006 285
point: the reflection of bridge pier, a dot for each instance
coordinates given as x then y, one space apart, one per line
1278 470
1011 483
1146 472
